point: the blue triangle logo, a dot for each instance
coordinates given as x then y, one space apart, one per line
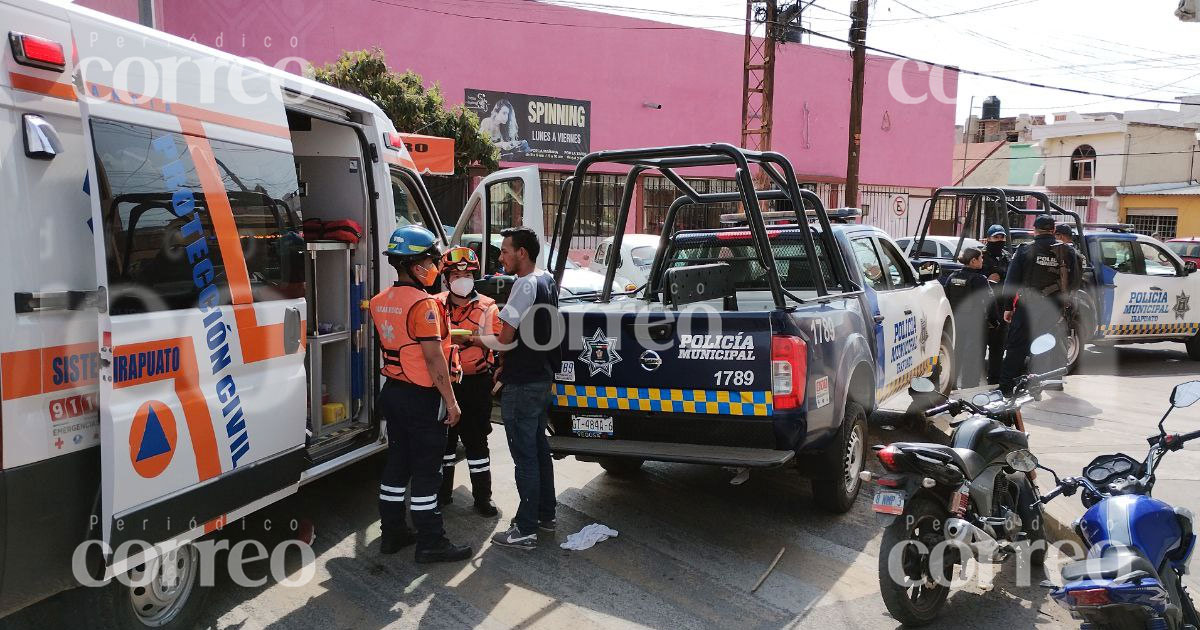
154 441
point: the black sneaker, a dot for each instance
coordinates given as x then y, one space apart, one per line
391 543
486 508
548 525
514 538
443 551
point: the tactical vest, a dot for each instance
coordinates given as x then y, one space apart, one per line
402 357
958 287
481 317
1041 267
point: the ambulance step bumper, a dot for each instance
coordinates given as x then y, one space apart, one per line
671 452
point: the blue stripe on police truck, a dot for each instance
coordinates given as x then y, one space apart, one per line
709 401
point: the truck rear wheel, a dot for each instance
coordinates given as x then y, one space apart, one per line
171 598
1193 347
620 466
836 490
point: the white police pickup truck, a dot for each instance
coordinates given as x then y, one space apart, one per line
752 345
1133 288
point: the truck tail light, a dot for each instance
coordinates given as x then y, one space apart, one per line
393 141
37 52
789 371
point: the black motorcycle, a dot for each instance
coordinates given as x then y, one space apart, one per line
973 498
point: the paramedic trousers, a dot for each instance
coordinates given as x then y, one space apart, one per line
523 407
416 440
474 396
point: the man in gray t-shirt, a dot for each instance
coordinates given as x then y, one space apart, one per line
527 323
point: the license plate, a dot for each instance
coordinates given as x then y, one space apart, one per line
888 502
592 426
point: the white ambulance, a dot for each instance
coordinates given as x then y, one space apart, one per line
174 353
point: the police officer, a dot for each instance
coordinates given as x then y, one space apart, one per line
477 316
1064 234
417 399
1037 277
995 267
974 307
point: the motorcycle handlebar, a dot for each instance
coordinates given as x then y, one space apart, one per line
1051 374
939 409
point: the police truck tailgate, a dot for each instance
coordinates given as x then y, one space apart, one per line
659 384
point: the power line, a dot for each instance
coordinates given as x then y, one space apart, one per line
1055 157
988 75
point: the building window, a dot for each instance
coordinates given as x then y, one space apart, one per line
1083 163
658 193
1159 226
599 200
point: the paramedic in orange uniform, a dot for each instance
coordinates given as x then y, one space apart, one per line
477 314
417 399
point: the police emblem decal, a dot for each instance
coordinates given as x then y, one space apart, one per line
598 354
924 332
1182 305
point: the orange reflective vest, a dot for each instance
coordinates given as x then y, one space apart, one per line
481 316
404 316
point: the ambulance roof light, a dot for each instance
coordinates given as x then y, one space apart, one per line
37 52
393 140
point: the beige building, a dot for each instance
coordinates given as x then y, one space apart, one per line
1091 155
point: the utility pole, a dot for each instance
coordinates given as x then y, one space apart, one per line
858 37
758 75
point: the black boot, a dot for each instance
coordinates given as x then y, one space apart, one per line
391 542
442 551
481 488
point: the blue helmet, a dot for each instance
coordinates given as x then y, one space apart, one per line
412 241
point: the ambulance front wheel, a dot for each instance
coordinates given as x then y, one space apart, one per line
620 466
172 597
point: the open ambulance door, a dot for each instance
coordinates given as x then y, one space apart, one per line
503 199
199 259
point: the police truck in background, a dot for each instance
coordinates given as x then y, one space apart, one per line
753 345
174 354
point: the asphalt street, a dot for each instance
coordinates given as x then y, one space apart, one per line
691 545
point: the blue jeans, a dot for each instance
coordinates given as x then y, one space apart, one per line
523 408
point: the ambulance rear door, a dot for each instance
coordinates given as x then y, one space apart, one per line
199 258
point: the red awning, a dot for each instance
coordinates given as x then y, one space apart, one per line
432 155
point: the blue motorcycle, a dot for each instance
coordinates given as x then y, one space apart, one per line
1138 546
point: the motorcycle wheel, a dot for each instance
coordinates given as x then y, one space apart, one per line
918 604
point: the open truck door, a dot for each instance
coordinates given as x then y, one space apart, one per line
199 261
507 198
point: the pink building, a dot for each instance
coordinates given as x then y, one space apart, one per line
624 68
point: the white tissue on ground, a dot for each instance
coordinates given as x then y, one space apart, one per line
588 536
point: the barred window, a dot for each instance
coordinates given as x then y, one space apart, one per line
658 193
1156 225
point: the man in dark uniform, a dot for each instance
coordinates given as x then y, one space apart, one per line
970 296
1038 277
995 267
1065 235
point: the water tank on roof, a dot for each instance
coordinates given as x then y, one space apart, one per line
991 108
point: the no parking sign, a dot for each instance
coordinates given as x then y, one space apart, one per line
900 204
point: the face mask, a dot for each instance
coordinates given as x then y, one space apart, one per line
424 275
462 287
995 247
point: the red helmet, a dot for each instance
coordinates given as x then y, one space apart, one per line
460 259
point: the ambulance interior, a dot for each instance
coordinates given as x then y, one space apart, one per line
333 187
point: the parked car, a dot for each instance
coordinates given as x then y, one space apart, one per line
1186 248
936 246
633 263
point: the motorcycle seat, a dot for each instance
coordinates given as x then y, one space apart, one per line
967 460
1113 562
